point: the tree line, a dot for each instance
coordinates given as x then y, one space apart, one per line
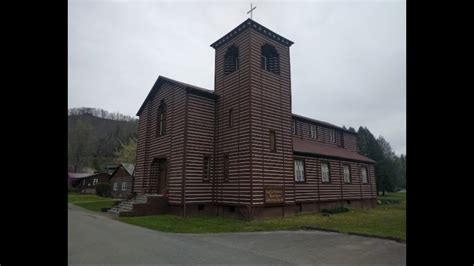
96 141
390 169
101 113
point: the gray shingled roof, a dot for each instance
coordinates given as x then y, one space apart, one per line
129 168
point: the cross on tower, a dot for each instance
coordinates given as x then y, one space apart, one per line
251 10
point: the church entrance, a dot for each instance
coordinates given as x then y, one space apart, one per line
159 177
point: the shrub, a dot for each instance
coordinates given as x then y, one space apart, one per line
103 190
335 210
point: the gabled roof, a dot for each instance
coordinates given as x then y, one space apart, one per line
300 117
84 175
249 23
130 168
179 84
325 150
78 175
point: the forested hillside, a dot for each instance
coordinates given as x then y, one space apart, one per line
97 138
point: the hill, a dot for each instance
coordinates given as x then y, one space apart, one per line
94 141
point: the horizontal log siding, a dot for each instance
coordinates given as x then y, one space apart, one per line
233 91
141 153
303 131
270 110
313 189
350 141
169 146
200 142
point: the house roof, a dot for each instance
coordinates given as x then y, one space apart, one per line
249 23
84 175
190 88
130 168
316 148
78 175
300 117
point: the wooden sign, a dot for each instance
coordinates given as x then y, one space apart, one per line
274 195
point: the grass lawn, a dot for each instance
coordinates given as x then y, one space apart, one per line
384 220
89 201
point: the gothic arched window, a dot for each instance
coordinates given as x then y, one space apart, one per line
270 59
161 123
231 60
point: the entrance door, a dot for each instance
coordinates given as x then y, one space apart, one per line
163 176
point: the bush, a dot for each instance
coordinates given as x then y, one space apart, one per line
103 190
335 210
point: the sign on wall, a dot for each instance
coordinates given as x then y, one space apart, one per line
274 195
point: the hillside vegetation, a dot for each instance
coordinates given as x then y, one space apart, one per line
97 138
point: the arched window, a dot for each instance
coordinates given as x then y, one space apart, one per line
231 60
270 59
161 123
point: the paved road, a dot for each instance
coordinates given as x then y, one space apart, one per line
96 239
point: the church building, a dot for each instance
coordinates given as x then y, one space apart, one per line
238 150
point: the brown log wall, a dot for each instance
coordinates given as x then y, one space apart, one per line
169 146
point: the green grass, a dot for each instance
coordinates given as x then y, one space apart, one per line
384 220
90 202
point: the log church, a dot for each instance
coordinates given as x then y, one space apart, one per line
238 150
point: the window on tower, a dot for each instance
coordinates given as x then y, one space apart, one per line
231 60
270 59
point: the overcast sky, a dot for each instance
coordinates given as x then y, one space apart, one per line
348 60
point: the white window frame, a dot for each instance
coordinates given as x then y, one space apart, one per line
347 179
299 170
332 135
364 178
325 178
115 186
294 126
124 186
95 181
313 131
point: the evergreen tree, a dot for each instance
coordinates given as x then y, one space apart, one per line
369 147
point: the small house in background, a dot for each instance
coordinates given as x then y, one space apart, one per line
74 179
121 180
88 183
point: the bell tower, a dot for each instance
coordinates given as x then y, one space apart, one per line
254 150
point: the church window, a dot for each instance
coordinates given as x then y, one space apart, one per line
206 168
313 131
347 173
363 172
325 177
272 140
161 125
332 136
231 60
299 170
270 59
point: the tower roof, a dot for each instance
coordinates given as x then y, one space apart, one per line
249 23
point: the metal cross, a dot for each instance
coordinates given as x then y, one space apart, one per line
251 10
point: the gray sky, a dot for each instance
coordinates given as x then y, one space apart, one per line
348 62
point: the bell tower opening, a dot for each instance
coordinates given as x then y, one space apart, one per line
231 60
270 59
